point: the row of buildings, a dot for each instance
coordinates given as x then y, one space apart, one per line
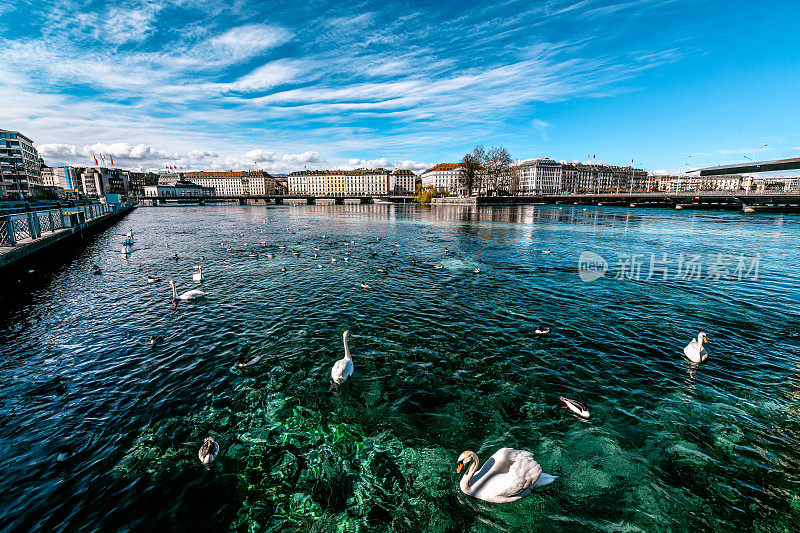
23 173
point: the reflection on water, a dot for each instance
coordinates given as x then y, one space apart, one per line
100 429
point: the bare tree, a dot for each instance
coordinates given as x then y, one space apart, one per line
469 171
497 166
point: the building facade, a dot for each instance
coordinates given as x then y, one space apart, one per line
180 189
64 177
444 177
341 183
538 176
234 183
20 165
137 181
99 181
402 182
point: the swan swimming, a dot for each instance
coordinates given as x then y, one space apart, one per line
343 368
208 451
197 277
694 351
188 295
576 407
507 476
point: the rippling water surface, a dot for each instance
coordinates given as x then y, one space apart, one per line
100 430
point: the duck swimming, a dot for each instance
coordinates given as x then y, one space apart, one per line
154 339
541 330
364 285
575 406
152 279
208 451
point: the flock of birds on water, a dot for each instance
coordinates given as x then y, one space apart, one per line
507 476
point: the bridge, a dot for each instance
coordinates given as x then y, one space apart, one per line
753 166
269 199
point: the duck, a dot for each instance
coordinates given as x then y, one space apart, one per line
283 269
333 259
252 254
383 270
540 330
155 339
477 270
546 251
398 245
694 351
152 279
575 406
439 266
364 285
208 451
244 360
509 475
197 277
282 247
343 368
188 295
346 259
270 256
319 265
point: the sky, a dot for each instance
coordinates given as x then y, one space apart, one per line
665 84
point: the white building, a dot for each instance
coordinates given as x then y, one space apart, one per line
444 177
181 189
19 165
359 182
539 176
402 182
234 183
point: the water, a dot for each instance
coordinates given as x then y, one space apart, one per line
100 430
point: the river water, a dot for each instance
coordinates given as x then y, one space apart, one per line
100 430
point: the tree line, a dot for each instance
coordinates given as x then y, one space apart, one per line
488 172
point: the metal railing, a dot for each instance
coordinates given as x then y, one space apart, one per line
24 226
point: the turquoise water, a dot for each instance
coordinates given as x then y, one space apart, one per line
100 430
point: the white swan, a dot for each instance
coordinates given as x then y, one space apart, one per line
506 476
197 277
694 351
188 295
343 368
208 451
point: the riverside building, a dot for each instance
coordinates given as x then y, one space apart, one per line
539 176
234 183
20 165
444 178
359 182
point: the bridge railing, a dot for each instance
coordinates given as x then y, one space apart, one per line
22 226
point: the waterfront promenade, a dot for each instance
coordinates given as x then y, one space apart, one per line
24 235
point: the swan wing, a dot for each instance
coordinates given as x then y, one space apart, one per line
692 351
342 369
506 476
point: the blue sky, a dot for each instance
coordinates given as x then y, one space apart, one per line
197 84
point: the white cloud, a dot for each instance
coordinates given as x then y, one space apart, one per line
305 157
245 41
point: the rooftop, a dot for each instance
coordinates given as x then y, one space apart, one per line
442 167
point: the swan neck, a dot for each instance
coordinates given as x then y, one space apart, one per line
700 342
174 292
466 480
346 349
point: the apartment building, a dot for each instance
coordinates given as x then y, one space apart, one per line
359 182
234 183
538 176
444 177
20 165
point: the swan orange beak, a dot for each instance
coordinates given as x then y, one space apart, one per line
459 467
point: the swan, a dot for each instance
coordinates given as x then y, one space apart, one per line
364 285
197 277
694 351
507 476
343 368
208 451
541 330
152 279
188 295
576 407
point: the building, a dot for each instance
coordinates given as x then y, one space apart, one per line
444 177
64 177
234 183
99 181
585 178
538 176
180 189
359 182
20 165
402 182
137 181
169 178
